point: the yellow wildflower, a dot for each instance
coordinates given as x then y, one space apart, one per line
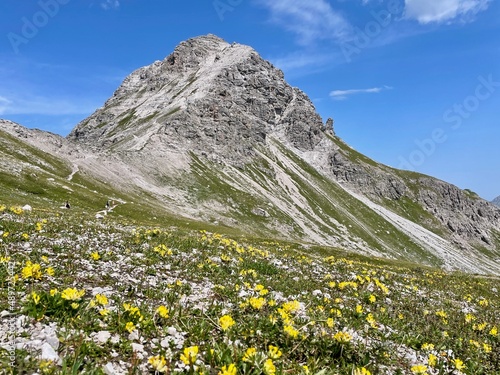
330 323
189 355
361 371
419 369
269 367
162 311
483 303
31 270
249 355
274 352
226 322
487 348
104 312
228 370
290 331
427 346
432 360
50 271
130 327
95 255
53 292
257 303
158 363
72 294
35 297
371 320
441 314
342 337
101 299
372 298
291 306
479 327
75 305
494 331
347 284
458 363
16 210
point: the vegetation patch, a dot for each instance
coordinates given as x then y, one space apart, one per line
111 296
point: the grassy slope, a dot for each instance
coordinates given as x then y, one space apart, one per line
326 309
333 312
404 207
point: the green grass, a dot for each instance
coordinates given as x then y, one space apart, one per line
362 221
322 310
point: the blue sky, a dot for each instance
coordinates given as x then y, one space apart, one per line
410 83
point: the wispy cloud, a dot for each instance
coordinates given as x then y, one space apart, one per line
301 59
343 94
44 106
427 11
4 104
110 4
310 20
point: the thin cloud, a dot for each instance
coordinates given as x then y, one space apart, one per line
4 104
301 59
311 20
110 4
428 11
343 94
44 106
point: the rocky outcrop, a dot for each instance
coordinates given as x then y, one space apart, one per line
464 214
208 96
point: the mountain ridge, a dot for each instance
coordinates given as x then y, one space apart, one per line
215 133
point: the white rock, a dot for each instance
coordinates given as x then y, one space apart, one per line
134 335
21 321
165 343
49 354
102 337
115 339
137 348
27 207
53 341
109 369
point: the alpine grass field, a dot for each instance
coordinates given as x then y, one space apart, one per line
112 296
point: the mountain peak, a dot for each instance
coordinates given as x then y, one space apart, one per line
207 96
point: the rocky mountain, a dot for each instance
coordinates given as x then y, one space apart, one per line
214 133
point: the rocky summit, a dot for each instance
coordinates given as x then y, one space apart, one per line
214 134
214 98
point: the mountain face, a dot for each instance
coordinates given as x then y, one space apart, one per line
214 133
209 97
